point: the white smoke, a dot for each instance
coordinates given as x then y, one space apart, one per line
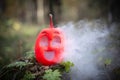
87 45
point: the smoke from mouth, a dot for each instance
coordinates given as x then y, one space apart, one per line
88 44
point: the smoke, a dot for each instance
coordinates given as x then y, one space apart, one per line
89 45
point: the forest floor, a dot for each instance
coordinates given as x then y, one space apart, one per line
27 68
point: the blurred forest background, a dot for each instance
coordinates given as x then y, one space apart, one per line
21 20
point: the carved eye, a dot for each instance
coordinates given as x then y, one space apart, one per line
44 41
56 42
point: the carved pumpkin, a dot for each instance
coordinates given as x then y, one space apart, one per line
49 45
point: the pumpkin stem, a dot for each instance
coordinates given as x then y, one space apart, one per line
51 21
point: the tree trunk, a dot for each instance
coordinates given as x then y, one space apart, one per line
53 7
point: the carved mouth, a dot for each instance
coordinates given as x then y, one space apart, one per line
49 55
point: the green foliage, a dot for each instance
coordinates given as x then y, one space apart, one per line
67 65
107 61
19 64
29 55
52 75
28 76
27 68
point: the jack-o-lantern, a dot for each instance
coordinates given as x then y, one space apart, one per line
49 45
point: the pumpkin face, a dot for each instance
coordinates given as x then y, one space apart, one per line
49 46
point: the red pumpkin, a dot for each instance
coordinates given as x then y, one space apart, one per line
49 46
